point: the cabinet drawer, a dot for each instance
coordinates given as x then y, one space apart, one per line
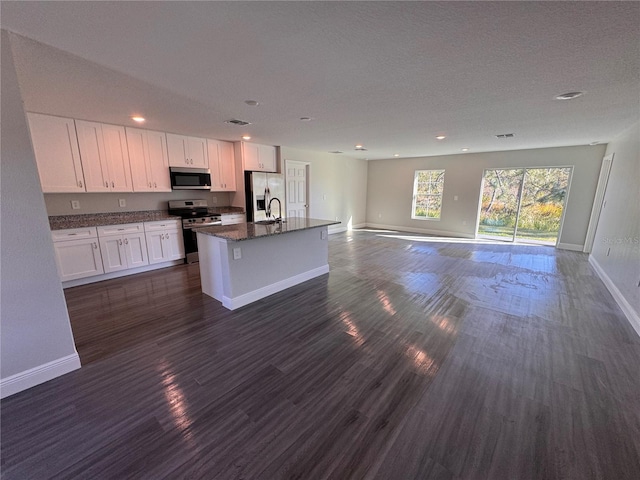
162 225
233 218
73 234
120 229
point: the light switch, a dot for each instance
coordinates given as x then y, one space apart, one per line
75 204
122 202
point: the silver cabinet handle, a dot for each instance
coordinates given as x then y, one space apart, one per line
106 184
120 242
155 185
95 245
149 184
80 183
113 185
126 241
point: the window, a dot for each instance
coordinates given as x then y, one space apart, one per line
427 194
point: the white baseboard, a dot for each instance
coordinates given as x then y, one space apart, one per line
37 375
571 246
625 306
337 229
121 273
426 231
247 298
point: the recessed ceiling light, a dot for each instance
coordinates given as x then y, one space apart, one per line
396 154
252 103
246 137
568 95
464 149
138 118
440 137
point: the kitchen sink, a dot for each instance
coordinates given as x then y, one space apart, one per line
268 222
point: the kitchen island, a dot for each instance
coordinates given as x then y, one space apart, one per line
242 263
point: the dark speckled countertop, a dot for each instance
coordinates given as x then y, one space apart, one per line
61 222
249 231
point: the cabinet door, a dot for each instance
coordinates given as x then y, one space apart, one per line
158 161
93 156
250 156
213 152
119 168
113 254
227 167
138 156
55 145
174 244
135 250
198 152
178 150
78 259
267 157
156 247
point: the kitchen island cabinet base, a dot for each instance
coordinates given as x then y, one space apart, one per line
266 265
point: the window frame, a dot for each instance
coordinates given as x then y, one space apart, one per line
416 194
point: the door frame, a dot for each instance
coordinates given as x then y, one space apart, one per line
598 202
307 167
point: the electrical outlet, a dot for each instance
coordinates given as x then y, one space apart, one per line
323 235
324 197
75 204
122 202
455 198
237 253
379 215
214 200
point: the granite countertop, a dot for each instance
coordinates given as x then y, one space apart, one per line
61 222
250 231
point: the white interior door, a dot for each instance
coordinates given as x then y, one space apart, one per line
297 189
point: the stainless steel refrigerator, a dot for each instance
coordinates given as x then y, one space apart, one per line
259 189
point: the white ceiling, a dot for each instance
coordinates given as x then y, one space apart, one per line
389 75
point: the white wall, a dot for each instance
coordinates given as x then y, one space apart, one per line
337 185
37 343
390 189
616 248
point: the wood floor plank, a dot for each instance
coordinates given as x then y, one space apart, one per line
415 358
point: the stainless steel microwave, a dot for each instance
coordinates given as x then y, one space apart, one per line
183 178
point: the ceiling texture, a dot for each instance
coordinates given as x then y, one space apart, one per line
390 76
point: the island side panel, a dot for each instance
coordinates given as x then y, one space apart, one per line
271 264
212 268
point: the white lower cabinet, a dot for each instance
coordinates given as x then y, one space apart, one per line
77 253
164 240
123 247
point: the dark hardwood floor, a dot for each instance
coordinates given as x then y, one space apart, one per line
413 359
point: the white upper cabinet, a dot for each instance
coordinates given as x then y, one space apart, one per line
104 156
149 160
222 166
257 158
187 151
55 145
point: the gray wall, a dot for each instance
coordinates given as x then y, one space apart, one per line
35 322
60 203
616 247
338 186
390 189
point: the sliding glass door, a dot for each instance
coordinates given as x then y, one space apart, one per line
523 204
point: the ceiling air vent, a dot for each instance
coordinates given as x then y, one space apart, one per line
506 135
235 121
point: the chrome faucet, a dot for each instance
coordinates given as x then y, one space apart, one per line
268 211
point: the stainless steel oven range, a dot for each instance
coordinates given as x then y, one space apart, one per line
194 213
